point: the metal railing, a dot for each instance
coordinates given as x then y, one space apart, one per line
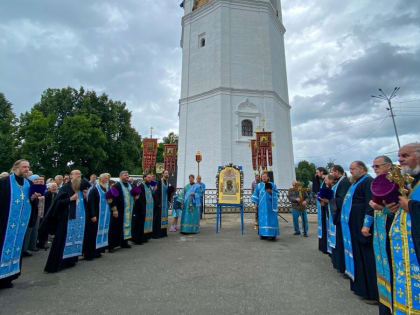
284 205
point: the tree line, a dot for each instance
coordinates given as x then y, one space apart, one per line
70 129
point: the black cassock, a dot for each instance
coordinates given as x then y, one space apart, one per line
364 283
4 217
91 228
157 211
337 255
139 216
43 237
55 223
414 209
116 231
323 241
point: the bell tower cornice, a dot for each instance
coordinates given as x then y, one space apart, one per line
205 7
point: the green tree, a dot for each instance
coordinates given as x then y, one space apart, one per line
83 143
87 131
7 134
305 172
38 145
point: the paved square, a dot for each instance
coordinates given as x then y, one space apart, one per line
200 274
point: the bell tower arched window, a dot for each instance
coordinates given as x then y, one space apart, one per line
247 128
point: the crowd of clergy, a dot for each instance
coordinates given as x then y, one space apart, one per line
87 218
372 235
372 240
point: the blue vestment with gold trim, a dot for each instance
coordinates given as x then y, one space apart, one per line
406 268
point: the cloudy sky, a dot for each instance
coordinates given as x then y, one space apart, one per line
338 54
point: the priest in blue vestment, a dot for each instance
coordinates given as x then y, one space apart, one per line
201 192
16 207
98 216
340 191
382 222
121 221
405 237
66 221
358 249
190 219
162 197
143 212
322 211
265 198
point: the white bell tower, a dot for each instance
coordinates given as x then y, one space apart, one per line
233 76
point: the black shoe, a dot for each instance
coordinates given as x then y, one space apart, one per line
305 234
296 233
35 250
111 250
6 285
126 246
27 254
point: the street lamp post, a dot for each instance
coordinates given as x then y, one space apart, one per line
388 99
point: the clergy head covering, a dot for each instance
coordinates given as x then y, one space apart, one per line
268 186
33 177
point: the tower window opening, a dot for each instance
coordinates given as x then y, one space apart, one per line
247 128
202 42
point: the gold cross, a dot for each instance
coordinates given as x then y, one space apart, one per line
151 132
400 293
22 195
397 248
263 123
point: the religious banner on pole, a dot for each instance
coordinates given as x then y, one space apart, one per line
264 144
169 154
254 151
149 154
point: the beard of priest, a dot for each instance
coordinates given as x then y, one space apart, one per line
66 220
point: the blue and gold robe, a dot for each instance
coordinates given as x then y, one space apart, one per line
148 221
383 271
128 210
12 233
347 238
75 231
268 224
190 219
406 268
103 219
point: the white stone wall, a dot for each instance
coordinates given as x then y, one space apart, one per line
240 73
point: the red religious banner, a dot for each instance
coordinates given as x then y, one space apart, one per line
254 151
264 144
169 155
149 154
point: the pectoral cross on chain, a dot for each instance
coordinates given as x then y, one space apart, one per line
22 195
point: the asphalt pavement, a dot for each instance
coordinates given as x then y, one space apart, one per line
206 273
